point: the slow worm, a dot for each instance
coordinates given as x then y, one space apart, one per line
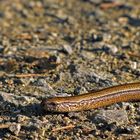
92 100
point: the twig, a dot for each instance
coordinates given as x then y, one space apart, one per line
109 5
63 128
134 55
30 75
2 126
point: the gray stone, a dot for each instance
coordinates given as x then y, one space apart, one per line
110 116
67 48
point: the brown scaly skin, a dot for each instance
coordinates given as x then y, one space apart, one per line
92 100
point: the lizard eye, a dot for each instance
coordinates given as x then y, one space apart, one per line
48 105
51 104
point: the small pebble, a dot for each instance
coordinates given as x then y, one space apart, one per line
68 49
15 128
111 116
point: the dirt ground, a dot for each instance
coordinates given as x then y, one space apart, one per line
65 48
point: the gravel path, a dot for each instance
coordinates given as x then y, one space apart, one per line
63 48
